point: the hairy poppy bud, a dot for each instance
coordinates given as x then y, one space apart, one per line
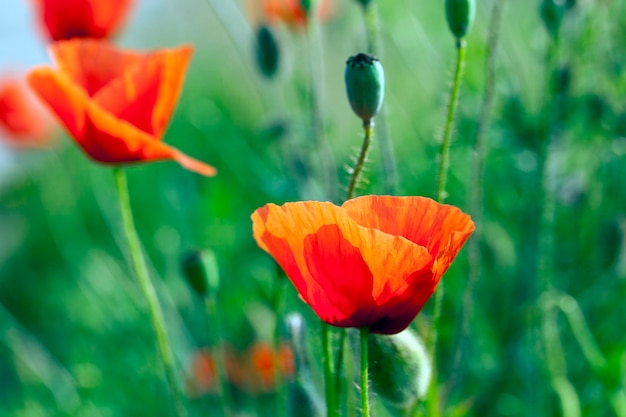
398 368
365 85
460 15
200 270
267 52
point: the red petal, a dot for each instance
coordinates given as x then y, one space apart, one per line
92 64
146 94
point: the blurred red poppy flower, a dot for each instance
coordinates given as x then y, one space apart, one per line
21 118
291 12
373 262
67 19
115 103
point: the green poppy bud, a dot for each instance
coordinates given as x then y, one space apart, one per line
552 12
399 368
308 6
460 15
365 85
364 3
267 51
200 270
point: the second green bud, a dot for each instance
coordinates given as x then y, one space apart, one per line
365 85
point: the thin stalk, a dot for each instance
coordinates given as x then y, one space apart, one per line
476 184
316 65
442 178
278 306
374 47
360 163
365 405
331 402
340 382
141 271
212 311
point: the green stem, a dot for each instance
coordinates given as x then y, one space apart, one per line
374 47
316 65
220 359
476 184
331 406
360 163
141 271
365 406
339 377
442 178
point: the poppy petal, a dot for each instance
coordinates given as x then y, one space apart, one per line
61 95
92 64
324 252
111 140
441 228
146 94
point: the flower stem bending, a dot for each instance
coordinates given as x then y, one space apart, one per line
365 407
141 271
442 178
360 163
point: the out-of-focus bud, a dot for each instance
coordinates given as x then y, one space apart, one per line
399 368
552 12
308 6
201 272
365 85
364 3
460 15
267 51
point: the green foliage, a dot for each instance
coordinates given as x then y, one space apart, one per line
75 336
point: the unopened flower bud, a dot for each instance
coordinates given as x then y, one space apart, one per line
364 3
399 368
267 51
460 15
200 270
552 12
308 6
365 85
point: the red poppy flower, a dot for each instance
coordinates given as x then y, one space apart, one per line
116 104
67 19
291 12
21 118
373 262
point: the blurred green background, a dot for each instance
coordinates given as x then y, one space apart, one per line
75 336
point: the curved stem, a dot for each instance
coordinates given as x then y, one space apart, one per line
331 402
442 178
141 271
476 184
444 153
360 163
365 406
374 47
212 311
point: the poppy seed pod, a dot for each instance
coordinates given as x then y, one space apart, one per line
460 15
399 368
200 270
365 85
267 51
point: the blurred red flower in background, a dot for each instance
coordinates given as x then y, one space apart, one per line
67 19
22 120
373 262
253 371
115 103
291 12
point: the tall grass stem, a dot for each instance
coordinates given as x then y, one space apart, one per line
147 288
